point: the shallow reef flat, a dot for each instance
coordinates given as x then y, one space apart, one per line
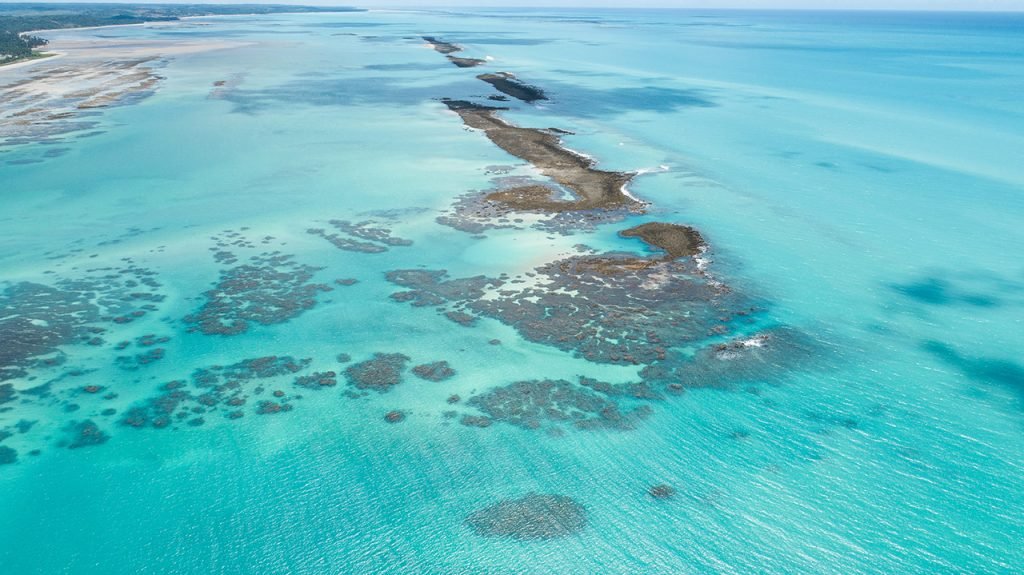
614 307
656 309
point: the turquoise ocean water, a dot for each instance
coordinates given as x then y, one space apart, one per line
859 175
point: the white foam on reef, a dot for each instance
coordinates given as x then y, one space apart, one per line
734 349
642 171
702 259
755 341
577 153
703 262
660 169
625 191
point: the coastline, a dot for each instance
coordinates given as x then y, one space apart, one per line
47 102
24 61
30 60
59 53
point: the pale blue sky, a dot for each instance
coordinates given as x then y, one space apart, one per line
981 5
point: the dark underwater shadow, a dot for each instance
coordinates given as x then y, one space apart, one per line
982 369
345 91
979 289
585 102
567 99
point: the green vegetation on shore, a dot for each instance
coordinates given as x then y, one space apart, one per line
14 46
17 19
35 55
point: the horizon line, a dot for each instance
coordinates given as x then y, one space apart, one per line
441 5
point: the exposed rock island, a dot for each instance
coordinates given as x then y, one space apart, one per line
543 149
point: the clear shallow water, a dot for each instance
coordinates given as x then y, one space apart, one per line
859 174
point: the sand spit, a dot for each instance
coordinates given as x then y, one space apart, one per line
593 188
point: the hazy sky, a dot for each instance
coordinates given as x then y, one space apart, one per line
1014 5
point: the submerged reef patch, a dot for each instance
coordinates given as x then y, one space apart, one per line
546 403
436 371
663 313
134 362
744 359
37 320
319 380
214 389
85 434
380 373
432 288
473 213
272 288
532 517
607 308
365 237
662 491
476 212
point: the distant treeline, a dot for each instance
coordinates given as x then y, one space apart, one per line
16 19
15 46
